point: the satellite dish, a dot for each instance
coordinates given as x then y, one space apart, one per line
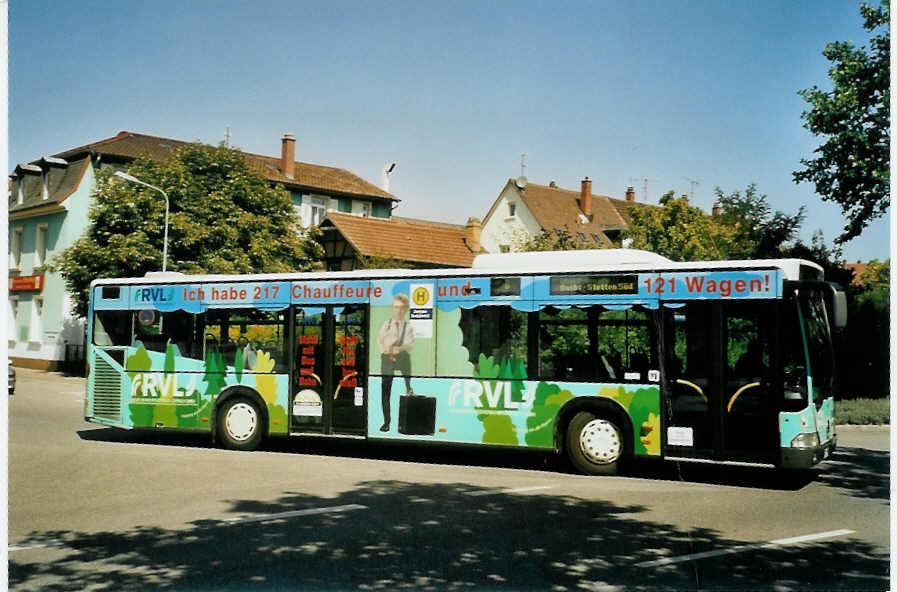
520 182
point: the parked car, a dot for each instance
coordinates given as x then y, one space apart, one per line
12 377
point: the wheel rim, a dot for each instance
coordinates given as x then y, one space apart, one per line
241 421
600 442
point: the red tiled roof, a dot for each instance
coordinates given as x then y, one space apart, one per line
559 209
859 270
407 239
129 145
62 181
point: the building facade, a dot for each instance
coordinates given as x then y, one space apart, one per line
524 210
49 200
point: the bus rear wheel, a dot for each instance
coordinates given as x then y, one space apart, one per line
240 424
595 445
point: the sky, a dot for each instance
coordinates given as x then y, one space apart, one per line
452 92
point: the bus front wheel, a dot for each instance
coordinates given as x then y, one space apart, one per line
240 424
595 444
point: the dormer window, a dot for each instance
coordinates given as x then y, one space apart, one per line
45 184
20 191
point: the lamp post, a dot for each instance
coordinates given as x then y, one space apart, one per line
125 176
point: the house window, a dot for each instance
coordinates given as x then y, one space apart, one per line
40 252
37 314
512 209
345 205
45 184
318 210
13 316
380 210
20 192
15 249
296 198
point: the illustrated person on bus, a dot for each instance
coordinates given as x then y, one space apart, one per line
395 339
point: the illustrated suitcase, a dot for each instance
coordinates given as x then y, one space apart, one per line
417 415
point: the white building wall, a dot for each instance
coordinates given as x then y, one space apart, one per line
502 229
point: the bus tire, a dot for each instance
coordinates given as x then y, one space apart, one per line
595 444
239 424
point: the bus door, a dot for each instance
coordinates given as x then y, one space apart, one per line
720 402
329 370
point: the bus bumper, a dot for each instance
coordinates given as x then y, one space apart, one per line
804 458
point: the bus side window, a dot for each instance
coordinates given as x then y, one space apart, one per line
498 334
257 337
160 329
112 327
566 351
624 337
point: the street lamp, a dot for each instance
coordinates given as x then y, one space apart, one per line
125 176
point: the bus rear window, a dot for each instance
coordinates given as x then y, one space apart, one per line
112 327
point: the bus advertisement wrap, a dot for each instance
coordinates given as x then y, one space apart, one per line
600 361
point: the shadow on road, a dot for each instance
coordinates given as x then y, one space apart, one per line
860 472
433 537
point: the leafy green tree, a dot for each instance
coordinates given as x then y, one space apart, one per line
829 258
755 231
560 240
677 230
852 166
225 218
745 227
379 261
864 356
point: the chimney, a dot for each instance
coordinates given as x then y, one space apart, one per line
472 235
288 155
585 197
716 210
630 194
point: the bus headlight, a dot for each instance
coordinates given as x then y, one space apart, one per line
808 440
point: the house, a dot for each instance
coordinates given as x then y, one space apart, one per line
524 210
416 243
49 199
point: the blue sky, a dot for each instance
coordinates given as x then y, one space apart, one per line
453 92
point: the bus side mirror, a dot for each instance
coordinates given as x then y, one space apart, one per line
839 309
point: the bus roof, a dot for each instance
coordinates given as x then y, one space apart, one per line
532 263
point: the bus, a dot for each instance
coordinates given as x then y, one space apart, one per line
606 356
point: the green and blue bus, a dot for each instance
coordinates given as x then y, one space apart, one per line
605 356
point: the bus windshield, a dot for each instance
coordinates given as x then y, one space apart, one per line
817 343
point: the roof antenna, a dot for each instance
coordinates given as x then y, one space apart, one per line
227 137
523 165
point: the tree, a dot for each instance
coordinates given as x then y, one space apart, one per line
852 168
677 230
560 240
829 258
745 227
379 260
225 218
756 232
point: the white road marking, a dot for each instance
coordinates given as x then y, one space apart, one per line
502 491
294 514
742 548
